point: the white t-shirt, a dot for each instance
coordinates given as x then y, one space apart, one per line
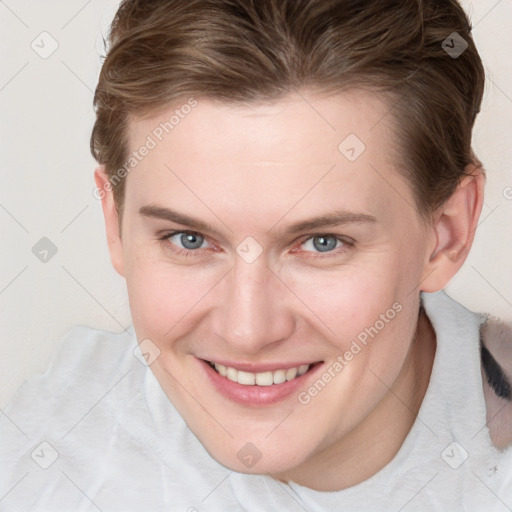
96 432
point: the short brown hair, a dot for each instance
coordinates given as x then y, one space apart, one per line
252 50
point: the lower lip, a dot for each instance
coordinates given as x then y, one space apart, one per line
257 395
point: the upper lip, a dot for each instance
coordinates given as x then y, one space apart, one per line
259 367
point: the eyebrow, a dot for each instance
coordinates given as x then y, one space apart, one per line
333 219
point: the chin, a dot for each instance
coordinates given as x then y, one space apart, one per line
258 458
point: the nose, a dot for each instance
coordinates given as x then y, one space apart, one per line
253 314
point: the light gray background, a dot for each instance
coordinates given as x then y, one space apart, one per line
46 180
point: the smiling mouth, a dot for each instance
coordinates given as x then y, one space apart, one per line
268 378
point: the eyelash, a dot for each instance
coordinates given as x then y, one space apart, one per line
177 250
347 244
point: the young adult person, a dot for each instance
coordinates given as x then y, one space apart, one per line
287 188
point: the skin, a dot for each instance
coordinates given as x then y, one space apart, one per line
253 171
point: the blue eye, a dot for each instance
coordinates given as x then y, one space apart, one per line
323 243
185 240
190 243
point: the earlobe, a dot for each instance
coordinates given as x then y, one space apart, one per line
455 224
111 215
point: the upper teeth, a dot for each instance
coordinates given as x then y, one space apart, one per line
262 378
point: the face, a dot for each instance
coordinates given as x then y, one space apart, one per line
279 244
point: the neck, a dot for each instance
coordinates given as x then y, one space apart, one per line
374 443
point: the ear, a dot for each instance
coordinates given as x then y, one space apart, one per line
454 229
105 193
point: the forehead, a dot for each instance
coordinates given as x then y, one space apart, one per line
305 145
277 130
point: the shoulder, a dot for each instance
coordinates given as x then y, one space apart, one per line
83 354
496 360
65 416
87 345
86 363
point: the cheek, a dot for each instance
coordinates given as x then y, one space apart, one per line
348 301
164 298
368 318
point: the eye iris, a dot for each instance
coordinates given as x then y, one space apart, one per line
324 243
191 241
